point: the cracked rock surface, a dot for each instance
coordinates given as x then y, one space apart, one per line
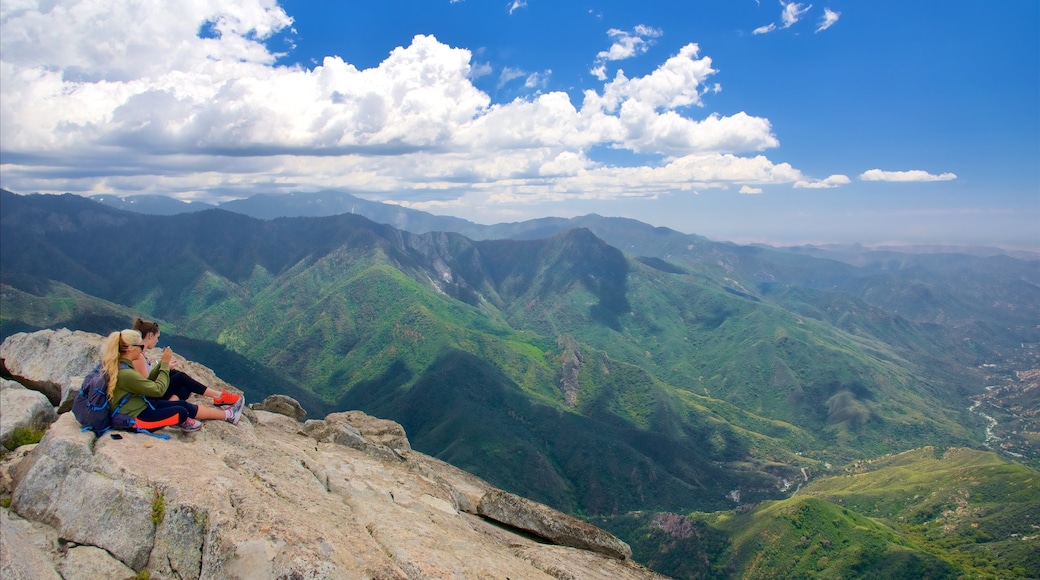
341 497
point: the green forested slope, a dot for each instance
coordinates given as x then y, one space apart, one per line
560 368
926 513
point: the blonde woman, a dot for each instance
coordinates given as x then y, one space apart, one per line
145 403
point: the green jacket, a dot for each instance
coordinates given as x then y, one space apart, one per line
130 381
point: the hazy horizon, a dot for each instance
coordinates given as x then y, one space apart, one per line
745 239
839 122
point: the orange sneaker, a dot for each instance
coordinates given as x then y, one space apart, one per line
226 398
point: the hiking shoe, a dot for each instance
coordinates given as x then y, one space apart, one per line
226 398
236 411
190 424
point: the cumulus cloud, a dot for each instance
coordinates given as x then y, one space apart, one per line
828 19
138 102
912 175
516 5
626 45
764 29
629 44
750 190
676 83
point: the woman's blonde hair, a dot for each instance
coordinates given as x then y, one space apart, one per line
116 344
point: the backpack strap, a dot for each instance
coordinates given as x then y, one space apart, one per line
137 429
122 402
147 432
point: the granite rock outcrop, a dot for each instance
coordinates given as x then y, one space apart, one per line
340 497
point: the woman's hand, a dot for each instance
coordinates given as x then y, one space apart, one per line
167 356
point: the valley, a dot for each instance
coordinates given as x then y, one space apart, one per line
926 513
1010 404
693 397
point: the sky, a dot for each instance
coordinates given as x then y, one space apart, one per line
838 121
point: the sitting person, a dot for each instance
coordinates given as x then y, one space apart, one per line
182 385
118 354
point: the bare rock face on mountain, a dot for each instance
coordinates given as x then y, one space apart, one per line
22 408
538 519
282 405
343 497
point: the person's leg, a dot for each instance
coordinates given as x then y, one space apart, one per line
210 414
185 385
161 414
178 389
182 386
186 382
231 414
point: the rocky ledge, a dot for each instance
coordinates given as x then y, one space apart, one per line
274 497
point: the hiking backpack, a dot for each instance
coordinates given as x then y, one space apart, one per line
90 406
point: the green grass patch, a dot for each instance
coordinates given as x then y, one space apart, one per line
24 436
158 507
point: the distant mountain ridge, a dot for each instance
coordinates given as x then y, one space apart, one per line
331 202
598 365
317 204
151 204
702 367
870 279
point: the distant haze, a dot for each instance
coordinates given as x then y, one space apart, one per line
781 121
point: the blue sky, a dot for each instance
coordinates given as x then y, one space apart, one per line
782 122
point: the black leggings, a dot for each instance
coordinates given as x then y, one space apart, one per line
183 386
161 413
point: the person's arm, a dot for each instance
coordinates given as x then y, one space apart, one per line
131 381
154 374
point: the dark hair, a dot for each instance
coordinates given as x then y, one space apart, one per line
145 327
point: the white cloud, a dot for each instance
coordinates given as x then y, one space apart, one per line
121 41
792 13
215 118
913 175
537 80
516 5
750 190
674 84
508 74
828 19
626 45
480 69
829 183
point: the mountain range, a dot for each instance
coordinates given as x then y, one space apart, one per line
599 365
